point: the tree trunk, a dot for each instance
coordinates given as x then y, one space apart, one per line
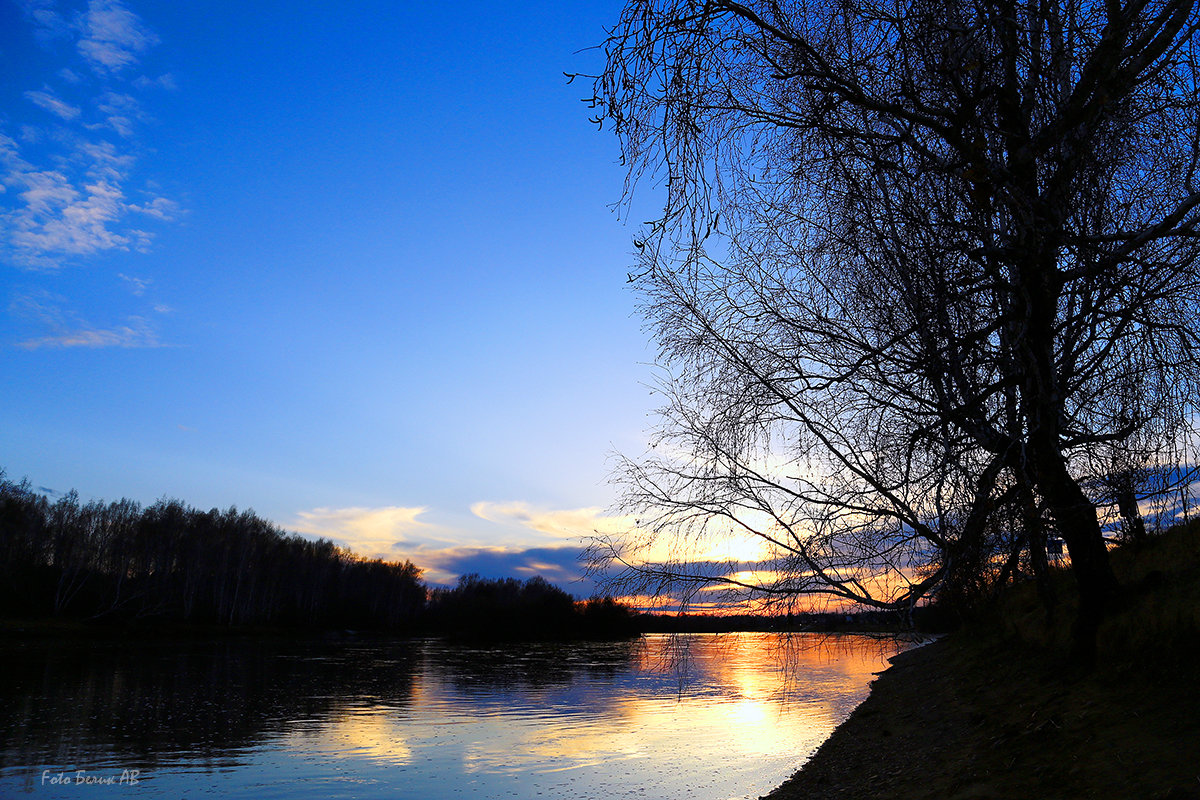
1035 537
1077 522
1039 286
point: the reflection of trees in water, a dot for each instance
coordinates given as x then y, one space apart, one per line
875 648
702 663
63 704
532 665
83 705
70 704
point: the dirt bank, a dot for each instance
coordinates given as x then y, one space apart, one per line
962 719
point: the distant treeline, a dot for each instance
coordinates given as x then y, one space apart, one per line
534 608
847 621
168 562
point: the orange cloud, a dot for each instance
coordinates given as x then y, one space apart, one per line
570 523
371 532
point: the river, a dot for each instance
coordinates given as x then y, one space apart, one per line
698 716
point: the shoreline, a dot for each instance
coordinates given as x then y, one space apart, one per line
960 719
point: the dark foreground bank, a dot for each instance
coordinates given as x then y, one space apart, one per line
956 720
995 712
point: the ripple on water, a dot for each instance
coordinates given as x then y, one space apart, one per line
698 716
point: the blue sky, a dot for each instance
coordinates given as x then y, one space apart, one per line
353 265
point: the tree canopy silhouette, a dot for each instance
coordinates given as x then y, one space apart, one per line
168 561
924 285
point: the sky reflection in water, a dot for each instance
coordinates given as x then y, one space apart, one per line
696 716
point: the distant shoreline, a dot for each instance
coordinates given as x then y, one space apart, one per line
66 631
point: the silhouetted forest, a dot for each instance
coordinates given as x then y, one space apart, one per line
169 562
119 560
510 608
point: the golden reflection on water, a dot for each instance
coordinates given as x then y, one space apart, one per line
370 733
697 715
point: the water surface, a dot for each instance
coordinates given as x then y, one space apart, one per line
693 716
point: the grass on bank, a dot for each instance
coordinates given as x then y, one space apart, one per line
1156 615
995 712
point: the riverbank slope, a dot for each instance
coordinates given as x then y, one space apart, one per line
980 716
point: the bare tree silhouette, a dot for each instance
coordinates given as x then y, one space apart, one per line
921 269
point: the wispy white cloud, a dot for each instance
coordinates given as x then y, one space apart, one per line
65 189
76 210
66 329
120 112
160 208
136 285
113 36
48 24
103 161
165 81
60 218
28 134
41 307
136 333
47 100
